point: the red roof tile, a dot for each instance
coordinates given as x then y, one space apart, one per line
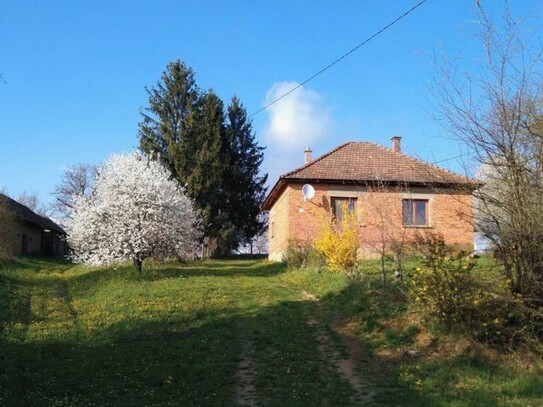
369 162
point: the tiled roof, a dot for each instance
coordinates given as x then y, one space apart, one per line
363 161
25 213
369 162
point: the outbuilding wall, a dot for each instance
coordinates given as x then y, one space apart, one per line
33 238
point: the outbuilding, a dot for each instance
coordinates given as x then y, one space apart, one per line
35 234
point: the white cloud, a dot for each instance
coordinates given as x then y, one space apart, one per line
298 121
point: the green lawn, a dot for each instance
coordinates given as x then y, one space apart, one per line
236 332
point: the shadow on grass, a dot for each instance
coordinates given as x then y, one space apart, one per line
176 362
34 263
14 303
183 359
192 357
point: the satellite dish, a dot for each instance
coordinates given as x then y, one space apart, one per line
309 192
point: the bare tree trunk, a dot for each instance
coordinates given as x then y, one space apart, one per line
383 270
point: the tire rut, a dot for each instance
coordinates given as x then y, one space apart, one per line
346 366
245 389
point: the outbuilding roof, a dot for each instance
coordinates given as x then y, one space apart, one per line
26 214
366 162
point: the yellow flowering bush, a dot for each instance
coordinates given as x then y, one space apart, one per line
338 241
446 290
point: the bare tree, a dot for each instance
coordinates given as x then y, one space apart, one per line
260 243
77 180
383 231
32 201
497 113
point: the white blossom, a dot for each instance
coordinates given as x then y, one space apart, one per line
135 211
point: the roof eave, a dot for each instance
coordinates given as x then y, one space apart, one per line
281 184
471 184
274 194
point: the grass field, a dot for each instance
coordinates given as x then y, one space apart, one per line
236 332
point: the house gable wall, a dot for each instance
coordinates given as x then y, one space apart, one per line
278 229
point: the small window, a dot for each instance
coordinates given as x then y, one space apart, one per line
339 203
272 229
415 212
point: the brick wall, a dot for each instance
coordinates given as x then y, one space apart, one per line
379 211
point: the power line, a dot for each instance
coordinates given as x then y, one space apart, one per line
341 57
214 164
450 158
415 155
411 152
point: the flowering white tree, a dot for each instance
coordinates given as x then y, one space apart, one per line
135 211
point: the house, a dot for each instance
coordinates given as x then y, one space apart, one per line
395 197
35 234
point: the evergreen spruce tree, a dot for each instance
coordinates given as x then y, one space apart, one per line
212 152
207 174
248 185
168 125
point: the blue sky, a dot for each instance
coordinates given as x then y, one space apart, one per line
75 75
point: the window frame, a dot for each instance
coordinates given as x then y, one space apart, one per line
413 212
351 201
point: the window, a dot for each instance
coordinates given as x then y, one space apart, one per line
338 204
415 212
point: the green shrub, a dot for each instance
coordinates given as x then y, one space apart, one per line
448 292
315 259
301 254
445 291
505 321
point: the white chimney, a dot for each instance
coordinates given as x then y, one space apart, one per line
396 144
308 155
